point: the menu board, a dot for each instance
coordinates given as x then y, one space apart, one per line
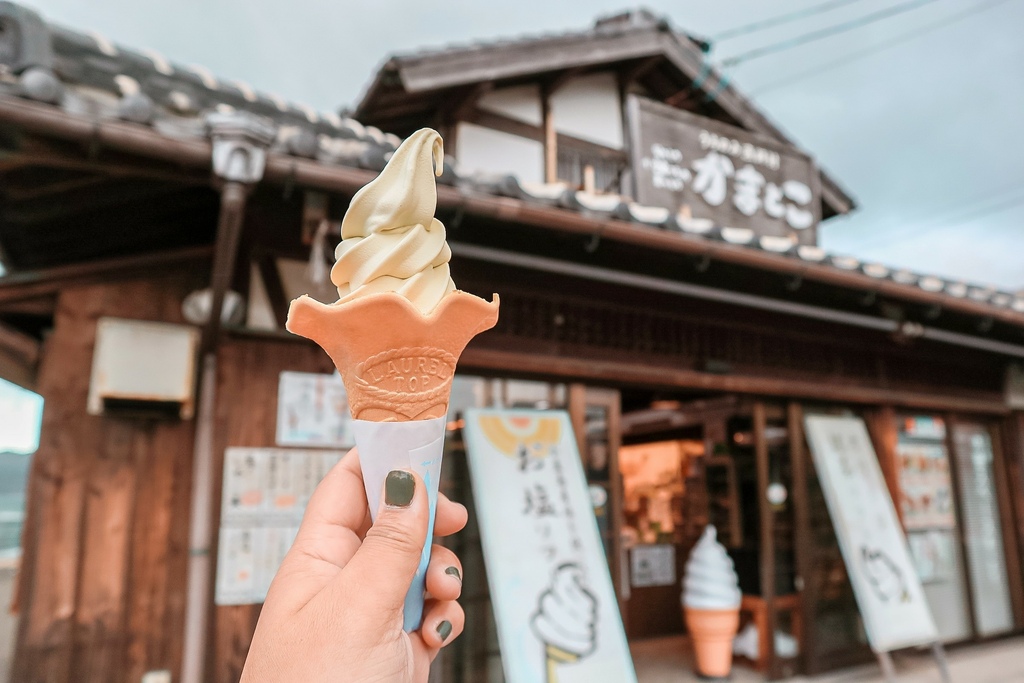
556 612
263 498
312 411
927 491
890 596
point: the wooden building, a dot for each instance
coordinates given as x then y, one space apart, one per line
134 189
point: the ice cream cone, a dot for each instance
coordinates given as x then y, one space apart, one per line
712 632
555 656
398 328
396 362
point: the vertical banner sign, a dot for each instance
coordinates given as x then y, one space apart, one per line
556 612
728 175
874 548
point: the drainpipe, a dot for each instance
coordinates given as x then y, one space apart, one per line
239 151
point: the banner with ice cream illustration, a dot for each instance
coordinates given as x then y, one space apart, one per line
557 616
888 591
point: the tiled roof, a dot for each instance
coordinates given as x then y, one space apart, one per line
86 74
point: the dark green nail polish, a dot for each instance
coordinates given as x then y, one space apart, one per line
444 629
454 571
399 488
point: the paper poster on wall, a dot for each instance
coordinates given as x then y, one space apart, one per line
312 411
556 611
885 582
652 565
263 498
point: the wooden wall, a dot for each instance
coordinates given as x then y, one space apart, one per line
102 586
247 377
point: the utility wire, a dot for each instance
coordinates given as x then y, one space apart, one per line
822 33
898 40
917 231
780 19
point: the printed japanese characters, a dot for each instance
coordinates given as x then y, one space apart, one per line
708 170
549 581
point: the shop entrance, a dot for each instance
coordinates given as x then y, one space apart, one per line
688 462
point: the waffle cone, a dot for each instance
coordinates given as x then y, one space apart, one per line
397 363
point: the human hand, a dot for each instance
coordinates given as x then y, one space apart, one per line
334 610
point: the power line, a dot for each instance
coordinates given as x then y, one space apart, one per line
823 33
780 19
940 227
898 40
954 212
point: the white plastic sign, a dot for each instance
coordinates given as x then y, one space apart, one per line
885 583
554 605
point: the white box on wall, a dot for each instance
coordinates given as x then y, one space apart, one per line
143 368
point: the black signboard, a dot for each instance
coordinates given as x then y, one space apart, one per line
707 169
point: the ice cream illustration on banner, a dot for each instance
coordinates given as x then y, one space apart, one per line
711 603
565 620
399 327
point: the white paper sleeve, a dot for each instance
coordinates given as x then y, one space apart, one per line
417 446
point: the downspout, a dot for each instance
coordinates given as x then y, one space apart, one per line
239 153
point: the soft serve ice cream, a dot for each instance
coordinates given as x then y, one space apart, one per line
711 605
390 240
710 581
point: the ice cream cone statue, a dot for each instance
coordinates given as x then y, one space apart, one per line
399 327
565 620
711 603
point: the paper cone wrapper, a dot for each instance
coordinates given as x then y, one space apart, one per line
712 632
396 362
416 446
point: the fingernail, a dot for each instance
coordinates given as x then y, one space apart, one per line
454 571
399 488
444 629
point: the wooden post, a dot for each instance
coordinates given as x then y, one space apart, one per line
802 530
1005 475
767 535
550 139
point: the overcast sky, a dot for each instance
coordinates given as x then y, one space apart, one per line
926 134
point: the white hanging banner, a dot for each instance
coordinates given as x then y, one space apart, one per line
885 583
557 616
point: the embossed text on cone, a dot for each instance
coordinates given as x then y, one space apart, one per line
397 363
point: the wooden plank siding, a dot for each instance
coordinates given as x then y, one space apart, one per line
102 585
246 415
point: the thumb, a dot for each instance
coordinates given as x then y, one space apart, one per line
382 569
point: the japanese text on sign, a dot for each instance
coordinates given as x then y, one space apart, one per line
712 170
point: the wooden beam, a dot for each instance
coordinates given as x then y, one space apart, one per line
640 69
229 230
550 140
274 288
617 372
506 124
27 285
1003 481
766 537
19 343
804 548
41 307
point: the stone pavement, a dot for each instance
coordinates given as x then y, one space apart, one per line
667 660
